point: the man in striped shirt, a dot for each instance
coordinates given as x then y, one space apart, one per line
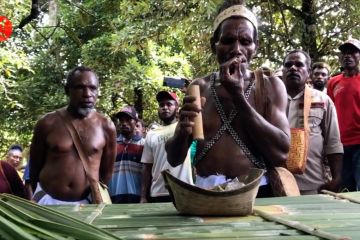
125 183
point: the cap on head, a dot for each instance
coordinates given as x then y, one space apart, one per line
350 43
167 95
236 10
129 111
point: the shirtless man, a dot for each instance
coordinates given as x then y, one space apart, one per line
56 171
265 135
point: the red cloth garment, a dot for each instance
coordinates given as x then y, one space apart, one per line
10 181
345 93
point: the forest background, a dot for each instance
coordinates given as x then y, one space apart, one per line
133 45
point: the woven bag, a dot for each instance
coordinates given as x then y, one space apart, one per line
299 142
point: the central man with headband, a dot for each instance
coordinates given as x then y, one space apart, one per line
244 120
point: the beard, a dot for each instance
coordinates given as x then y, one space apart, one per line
85 111
319 85
81 112
167 119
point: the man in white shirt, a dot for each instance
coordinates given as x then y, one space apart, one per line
154 156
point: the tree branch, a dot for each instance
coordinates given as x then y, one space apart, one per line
337 5
81 8
296 12
326 42
288 38
34 13
42 35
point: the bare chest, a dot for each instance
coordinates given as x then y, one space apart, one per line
221 110
92 138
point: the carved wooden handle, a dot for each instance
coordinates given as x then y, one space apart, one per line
198 133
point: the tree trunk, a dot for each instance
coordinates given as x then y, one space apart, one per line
309 31
139 101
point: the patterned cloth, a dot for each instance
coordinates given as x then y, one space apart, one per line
125 184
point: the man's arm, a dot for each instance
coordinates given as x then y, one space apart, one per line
109 153
271 136
333 148
178 145
335 163
37 152
147 159
146 182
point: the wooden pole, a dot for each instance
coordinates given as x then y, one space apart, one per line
198 133
299 226
339 195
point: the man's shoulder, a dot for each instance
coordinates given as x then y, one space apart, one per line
7 167
48 119
274 80
104 120
315 93
203 81
274 87
100 116
335 78
319 96
163 129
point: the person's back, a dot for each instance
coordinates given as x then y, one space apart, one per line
237 137
55 168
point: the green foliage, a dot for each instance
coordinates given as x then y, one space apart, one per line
132 45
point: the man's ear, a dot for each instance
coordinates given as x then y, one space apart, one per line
257 43
212 44
256 47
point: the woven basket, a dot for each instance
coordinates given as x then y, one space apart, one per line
191 200
296 162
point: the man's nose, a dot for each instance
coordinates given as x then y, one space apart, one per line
87 92
293 67
237 49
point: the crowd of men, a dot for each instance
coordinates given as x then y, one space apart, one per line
248 118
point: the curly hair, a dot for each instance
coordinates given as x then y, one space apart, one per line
71 75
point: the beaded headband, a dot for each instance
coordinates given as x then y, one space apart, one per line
236 10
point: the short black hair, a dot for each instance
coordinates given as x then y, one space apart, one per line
321 65
15 147
307 56
71 75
